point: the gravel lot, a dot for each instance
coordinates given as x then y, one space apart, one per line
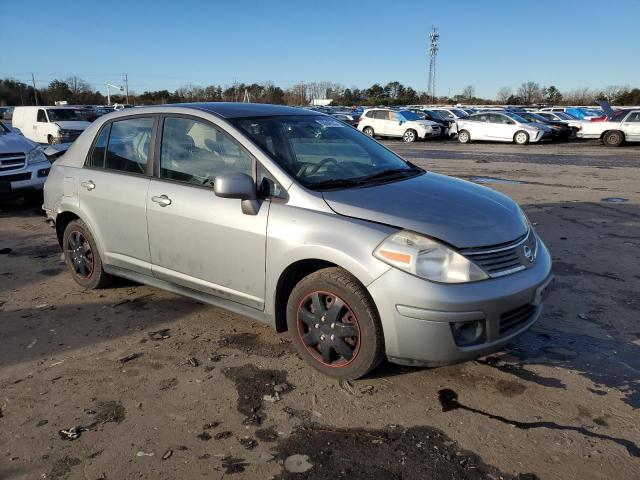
163 387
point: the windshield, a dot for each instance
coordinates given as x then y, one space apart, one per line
459 113
435 114
321 152
408 115
64 115
566 116
516 117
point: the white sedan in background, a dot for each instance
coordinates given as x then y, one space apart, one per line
500 127
622 126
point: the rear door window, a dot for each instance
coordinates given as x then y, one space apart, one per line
129 142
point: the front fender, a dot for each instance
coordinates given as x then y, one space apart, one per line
296 233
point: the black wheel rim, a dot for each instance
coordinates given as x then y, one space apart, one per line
80 254
329 329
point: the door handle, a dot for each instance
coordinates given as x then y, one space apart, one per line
162 200
88 185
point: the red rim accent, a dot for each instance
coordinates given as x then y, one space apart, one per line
312 351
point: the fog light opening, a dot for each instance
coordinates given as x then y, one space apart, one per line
467 334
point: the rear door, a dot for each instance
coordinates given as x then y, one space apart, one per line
113 190
196 239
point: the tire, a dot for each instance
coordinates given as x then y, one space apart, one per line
521 137
613 138
410 136
82 258
50 139
464 136
368 131
357 346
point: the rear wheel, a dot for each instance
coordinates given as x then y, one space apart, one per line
521 137
82 257
334 324
464 137
368 131
613 138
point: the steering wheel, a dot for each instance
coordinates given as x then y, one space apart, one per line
320 164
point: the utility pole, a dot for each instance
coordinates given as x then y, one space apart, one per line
126 86
35 90
434 37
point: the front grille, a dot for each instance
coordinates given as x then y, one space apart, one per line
515 318
504 259
18 177
11 161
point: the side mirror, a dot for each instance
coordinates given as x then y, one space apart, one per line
241 186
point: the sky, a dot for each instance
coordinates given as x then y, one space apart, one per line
164 45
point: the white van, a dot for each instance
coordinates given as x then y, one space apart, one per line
49 124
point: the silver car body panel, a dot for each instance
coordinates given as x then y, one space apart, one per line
457 212
245 256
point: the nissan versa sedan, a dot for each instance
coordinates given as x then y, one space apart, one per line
500 127
297 220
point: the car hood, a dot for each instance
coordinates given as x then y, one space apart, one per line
455 211
428 123
73 125
14 143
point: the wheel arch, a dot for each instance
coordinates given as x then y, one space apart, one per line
621 132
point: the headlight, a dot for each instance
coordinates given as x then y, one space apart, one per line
427 259
35 156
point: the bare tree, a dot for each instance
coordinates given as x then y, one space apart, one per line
612 92
469 92
78 87
504 94
530 92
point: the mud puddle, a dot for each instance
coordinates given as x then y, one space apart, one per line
253 386
497 180
449 402
606 362
255 344
391 453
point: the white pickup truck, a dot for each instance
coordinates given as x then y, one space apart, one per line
622 126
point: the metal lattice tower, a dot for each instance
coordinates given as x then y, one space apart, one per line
434 37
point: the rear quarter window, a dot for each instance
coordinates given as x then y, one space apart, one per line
95 158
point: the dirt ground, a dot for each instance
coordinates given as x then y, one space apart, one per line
133 382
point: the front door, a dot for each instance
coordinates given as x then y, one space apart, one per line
631 126
395 125
41 127
112 191
196 239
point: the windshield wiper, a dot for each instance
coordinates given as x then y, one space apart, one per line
390 172
335 183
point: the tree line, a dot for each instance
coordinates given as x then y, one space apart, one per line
77 91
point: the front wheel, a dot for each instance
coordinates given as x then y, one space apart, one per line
410 136
334 324
368 131
464 137
521 137
613 139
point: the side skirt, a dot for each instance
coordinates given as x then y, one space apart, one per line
223 303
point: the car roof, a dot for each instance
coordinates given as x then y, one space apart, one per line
236 110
